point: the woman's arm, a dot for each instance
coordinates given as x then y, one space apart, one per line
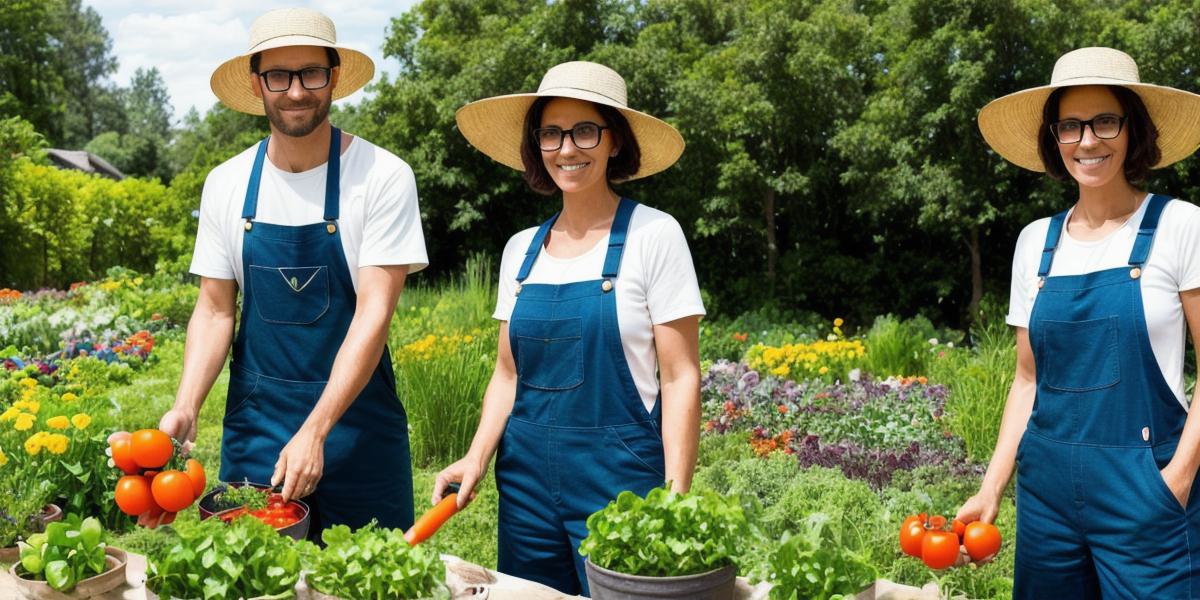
1181 471
678 346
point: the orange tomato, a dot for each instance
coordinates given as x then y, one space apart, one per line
195 472
151 448
172 491
982 540
959 527
939 549
122 455
912 531
133 495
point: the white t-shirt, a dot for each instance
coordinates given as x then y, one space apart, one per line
1173 267
379 220
656 284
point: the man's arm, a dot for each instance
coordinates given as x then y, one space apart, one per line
209 335
302 461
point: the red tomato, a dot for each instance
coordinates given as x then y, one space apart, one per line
173 491
912 531
959 528
937 522
122 455
133 495
195 473
982 540
939 549
151 448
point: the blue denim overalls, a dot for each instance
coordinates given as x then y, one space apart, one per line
579 433
297 305
1094 517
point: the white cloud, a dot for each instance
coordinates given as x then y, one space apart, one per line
188 39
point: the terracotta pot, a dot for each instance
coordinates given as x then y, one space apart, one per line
110 579
49 514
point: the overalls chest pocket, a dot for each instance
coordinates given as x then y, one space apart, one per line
1079 356
290 295
549 352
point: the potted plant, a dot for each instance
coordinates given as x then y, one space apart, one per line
372 563
23 512
70 558
667 545
227 502
245 559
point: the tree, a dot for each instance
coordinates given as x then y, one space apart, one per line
31 81
84 56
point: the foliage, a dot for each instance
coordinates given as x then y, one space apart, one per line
373 563
21 504
68 552
666 534
898 347
245 559
817 565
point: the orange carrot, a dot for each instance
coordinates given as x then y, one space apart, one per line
433 519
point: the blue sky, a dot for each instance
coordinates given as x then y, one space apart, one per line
188 39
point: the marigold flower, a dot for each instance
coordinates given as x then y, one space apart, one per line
823 370
838 322
59 422
10 414
3 458
57 443
28 383
24 422
69 397
81 421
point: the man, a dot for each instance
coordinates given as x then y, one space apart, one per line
318 229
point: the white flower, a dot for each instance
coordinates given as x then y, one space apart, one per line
855 374
933 341
949 344
831 337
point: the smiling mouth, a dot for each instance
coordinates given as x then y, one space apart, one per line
1087 162
573 167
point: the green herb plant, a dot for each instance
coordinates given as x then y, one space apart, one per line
245 559
666 533
373 563
817 565
244 495
67 553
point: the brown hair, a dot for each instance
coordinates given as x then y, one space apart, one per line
1143 151
620 167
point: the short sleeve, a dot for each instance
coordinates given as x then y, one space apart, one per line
672 289
1020 300
210 257
510 262
392 232
1189 251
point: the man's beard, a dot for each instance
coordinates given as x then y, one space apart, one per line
275 116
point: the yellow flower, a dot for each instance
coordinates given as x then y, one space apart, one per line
33 445
109 285
81 421
33 406
24 422
69 397
10 414
838 322
59 422
781 371
823 370
28 394
3 458
28 383
137 281
57 443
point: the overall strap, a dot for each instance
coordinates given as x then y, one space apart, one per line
616 238
1145 234
333 176
1053 234
535 247
250 205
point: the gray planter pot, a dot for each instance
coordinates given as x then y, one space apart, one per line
611 585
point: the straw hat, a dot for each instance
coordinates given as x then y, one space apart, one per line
278 29
496 125
1010 124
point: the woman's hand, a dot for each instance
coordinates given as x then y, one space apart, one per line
467 472
1179 481
983 506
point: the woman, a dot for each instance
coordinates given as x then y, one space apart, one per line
591 304
1102 294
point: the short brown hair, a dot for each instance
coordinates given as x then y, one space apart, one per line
1143 152
620 167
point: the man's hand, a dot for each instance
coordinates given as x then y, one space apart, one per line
180 425
301 464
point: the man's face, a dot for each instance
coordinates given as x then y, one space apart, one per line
297 111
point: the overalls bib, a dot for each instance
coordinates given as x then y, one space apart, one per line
579 433
297 305
1094 516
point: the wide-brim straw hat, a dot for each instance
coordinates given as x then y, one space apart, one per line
496 126
1010 124
278 29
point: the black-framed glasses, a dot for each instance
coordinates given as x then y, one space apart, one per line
311 78
585 136
1104 127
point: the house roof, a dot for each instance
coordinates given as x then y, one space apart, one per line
84 161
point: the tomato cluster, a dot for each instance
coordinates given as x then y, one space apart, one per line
151 487
277 514
926 538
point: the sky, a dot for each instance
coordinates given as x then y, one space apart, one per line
188 39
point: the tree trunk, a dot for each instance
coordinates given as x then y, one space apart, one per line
772 242
976 276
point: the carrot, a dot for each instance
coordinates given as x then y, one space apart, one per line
433 518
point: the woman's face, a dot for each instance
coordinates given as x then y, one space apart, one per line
572 168
1093 162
